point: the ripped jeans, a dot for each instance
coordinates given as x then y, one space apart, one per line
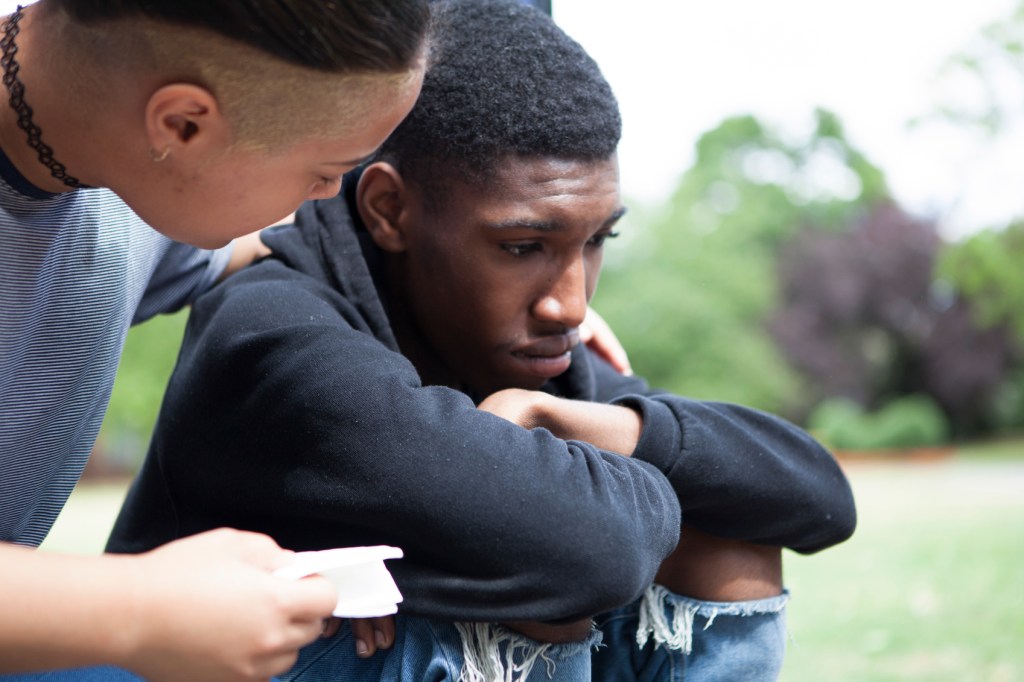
666 637
661 637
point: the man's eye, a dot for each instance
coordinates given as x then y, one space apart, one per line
598 239
521 248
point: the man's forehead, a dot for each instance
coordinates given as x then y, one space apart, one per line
520 179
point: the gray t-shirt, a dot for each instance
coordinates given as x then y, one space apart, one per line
76 270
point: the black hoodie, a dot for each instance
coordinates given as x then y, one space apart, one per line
292 412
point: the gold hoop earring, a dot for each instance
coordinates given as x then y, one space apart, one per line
157 158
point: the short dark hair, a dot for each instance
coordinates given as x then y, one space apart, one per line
341 35
502 80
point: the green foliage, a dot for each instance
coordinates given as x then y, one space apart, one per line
691 290
1007 406
146 363
988 269
906 422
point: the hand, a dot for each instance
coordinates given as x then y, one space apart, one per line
600 339
610 427
208 608
516 405
245 250
372 633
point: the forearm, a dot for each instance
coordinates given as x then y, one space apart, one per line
613 428
63 611
201 608
244 250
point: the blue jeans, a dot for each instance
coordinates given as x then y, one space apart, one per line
662 637
438 651
669 638
105 673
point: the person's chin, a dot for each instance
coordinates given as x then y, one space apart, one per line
200 241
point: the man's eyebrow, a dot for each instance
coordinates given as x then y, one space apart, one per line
524 224
544 225
616 216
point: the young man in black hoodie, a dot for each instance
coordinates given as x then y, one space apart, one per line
405 370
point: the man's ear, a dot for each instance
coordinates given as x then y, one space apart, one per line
184 119
382 199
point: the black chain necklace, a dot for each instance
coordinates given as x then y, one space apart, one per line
17 91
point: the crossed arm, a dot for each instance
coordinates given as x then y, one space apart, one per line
702 566
324 436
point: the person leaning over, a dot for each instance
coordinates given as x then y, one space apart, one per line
411 374
138 135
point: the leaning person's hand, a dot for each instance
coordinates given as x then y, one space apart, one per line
208 608
600 339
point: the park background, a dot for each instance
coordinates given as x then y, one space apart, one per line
827 222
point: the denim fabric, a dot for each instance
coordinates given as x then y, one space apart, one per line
432 651
666 637
103 673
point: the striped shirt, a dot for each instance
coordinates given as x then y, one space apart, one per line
76 269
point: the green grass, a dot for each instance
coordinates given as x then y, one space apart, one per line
930 588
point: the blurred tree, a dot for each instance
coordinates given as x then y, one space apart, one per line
689 292
987 268
864 318
149 355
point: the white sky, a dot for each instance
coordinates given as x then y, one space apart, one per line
679 68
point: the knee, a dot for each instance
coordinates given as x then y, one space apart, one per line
715 569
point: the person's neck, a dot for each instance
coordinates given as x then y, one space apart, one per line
62 124
432 371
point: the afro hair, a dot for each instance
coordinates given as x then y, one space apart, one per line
503 81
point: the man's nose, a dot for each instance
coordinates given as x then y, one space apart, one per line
565 300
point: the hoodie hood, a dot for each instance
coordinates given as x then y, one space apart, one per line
329 243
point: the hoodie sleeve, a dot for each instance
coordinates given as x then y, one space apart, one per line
739 473
284 415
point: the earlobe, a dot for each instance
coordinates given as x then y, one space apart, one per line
183 116
381 199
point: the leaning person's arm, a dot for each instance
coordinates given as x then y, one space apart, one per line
244 251
203 608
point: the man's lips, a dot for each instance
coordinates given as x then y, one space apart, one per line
548 356
549 346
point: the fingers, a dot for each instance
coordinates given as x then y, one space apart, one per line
372 634
383 631
362 631
600 338
255 549
330 627
312 599
301 633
